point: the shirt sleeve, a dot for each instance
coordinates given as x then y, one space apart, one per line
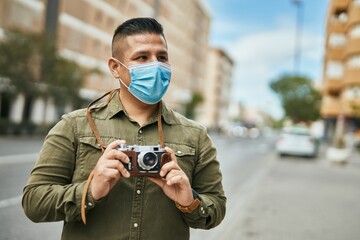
50 194
207 182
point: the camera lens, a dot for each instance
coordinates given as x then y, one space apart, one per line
147 160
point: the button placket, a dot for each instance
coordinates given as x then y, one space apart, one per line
139 139
137 208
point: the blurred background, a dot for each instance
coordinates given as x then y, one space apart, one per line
277 84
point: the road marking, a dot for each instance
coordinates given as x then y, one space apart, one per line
19 158
10 202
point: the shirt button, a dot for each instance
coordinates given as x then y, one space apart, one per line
90 204
179 152
136 225
140 131
138 191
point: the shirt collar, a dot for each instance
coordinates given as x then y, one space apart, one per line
166 114
115 106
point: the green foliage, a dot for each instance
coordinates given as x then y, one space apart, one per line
35 68
19 60
66 81
277 123
196 99
300 100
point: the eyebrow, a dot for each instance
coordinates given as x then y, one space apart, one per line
145 52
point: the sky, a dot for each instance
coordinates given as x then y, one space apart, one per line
259 35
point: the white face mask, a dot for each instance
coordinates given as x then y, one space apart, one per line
149 81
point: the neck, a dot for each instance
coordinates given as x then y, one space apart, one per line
137 110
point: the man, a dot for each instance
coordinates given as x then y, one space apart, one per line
113 204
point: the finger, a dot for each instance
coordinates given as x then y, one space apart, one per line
176 179
108 171
172 153
173 173
123 171
167 167
114 145
115 154
119 155
109 168
118 160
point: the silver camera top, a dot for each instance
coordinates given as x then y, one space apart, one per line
137 148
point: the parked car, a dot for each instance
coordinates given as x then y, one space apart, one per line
296 141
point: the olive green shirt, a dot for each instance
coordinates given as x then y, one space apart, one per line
135 208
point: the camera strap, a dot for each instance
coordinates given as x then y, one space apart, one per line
101 143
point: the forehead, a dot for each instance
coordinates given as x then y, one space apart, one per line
141 42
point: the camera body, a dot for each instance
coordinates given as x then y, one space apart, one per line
145 161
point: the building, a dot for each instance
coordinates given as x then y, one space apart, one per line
341 72
84 30
214 111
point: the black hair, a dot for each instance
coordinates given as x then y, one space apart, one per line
137 26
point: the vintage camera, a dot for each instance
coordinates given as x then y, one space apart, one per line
145 160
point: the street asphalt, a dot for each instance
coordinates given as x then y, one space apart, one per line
302 199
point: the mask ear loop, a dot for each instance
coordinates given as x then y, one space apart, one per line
118 61
123 82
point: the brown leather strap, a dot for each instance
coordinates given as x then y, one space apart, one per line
103 146
160 130
100 143
83 197
91 120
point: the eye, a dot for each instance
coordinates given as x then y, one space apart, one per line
141 58
162 58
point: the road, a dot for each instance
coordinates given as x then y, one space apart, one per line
17 158
244 164
263 194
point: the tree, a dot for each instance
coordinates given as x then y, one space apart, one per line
19 60
196 99
32 64
300 100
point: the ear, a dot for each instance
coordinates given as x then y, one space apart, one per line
114 67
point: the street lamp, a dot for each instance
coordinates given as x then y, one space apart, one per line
297 45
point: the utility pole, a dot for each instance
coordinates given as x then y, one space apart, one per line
297 45
51 17
50 35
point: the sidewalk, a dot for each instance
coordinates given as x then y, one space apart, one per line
303 199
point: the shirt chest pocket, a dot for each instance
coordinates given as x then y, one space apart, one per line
185 156
88 154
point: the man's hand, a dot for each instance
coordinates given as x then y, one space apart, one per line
109 170
174 183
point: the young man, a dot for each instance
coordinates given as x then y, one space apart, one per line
114 203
